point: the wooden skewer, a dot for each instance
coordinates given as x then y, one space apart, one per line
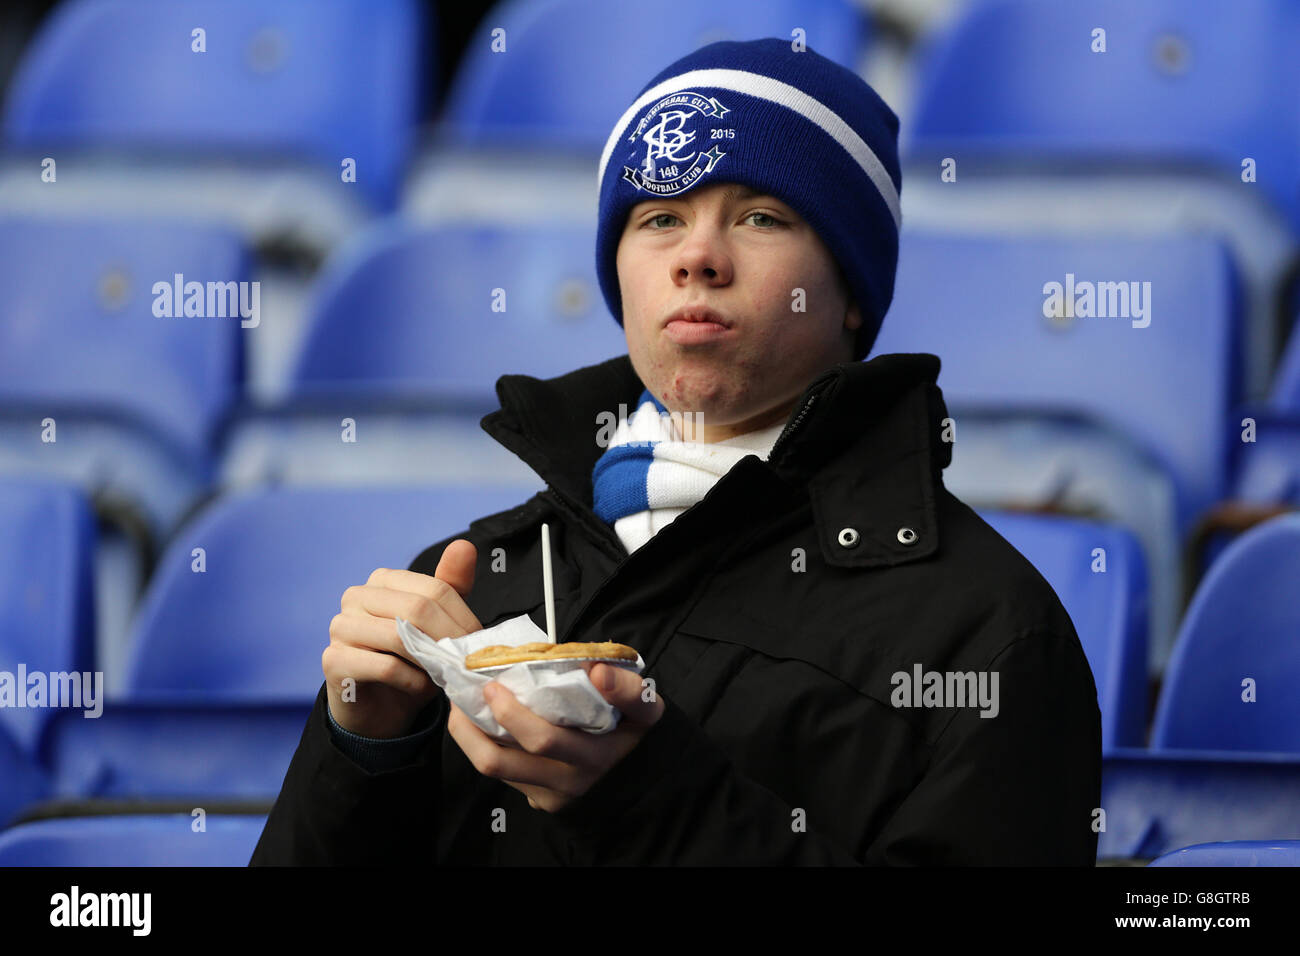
548 584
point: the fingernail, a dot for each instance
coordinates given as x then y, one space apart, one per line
490 692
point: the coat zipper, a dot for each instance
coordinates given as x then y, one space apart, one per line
604 532
792 427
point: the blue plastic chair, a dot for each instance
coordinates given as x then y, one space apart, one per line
279 79
409 311
135 397
1149 136
571 67
1167 385
250 629
47 545
1194 82
1108 608
1243 622
1220 769
132 840
1239 853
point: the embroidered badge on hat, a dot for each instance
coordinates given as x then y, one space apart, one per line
673 130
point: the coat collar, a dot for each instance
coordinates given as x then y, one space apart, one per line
865 437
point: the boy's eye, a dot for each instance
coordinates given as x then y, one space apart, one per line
771 221
663 215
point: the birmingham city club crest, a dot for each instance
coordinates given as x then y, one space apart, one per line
674 132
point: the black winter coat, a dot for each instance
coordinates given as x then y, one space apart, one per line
775 617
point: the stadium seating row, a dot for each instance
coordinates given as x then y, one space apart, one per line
344 77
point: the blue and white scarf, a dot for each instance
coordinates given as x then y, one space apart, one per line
649 475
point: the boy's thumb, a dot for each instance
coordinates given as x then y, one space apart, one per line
457 564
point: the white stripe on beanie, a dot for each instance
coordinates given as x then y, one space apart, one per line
764 87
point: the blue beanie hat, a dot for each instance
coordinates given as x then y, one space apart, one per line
786 123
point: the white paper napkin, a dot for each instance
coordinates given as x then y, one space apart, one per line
558 691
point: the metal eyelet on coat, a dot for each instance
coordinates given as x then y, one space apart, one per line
906 536
849 537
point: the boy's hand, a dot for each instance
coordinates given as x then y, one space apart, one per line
551 765
391 689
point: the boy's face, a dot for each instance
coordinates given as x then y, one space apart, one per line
745 257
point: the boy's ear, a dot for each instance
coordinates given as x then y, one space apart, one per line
852 316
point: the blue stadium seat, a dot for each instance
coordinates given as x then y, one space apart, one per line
403 341
1241 625
1239 853
250 628
132 840
1107 603
1168 384
279 80
135 397
47 543
571 67
1020 78
1148 137
415 311
1073 403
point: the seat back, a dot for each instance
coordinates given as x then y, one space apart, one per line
1151 359
444 311
240 607
93 321
1190 81
266 79
1232 677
